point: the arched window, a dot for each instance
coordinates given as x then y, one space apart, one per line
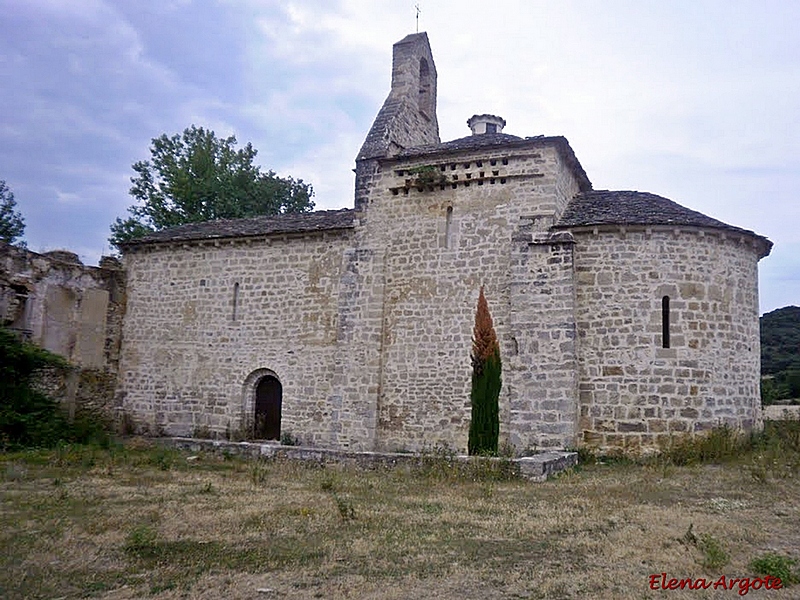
665 322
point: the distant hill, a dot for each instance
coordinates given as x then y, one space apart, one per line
780 354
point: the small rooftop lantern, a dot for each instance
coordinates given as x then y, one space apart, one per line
480 124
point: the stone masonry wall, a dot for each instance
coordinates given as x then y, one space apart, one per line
188 352
73 310
633 392
441 240
542 394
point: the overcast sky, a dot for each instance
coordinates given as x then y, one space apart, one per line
698 101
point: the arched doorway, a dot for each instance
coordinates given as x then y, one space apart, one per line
267 421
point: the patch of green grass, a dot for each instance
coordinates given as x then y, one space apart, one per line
141 542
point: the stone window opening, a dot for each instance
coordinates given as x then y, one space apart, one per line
235 300
665 322
18 311
491 128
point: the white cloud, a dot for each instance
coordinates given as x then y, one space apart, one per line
693 101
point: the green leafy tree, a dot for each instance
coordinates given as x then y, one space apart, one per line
484 428
780 355
196 176
12 225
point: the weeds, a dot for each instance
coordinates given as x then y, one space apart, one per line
163 458
718 445
287 439
202 432
208 527
345 506
714 555
259 473
771 453
141 542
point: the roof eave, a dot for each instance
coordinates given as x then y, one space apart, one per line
763 243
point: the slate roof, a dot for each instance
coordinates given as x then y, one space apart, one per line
320 220
606 207
470 142
494 140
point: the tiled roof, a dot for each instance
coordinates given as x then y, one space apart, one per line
605 207
227 228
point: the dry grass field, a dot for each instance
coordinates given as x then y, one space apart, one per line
139 521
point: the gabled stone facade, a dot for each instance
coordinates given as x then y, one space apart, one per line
623 317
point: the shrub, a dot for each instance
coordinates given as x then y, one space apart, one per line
30 418
27 416
777 566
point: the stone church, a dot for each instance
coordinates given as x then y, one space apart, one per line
623 317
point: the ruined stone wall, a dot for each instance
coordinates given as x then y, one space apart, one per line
441 239
189 351
635 393
72 310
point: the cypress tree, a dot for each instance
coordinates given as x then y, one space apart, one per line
484 428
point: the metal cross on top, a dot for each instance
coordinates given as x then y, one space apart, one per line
418 11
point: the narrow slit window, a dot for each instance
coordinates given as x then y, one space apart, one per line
448 224
235 299
665 322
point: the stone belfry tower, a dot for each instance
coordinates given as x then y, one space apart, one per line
408 115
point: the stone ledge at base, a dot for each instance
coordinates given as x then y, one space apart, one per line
533 468
782 412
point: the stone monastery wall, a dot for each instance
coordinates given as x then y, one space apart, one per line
633 391
442 237
205 320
